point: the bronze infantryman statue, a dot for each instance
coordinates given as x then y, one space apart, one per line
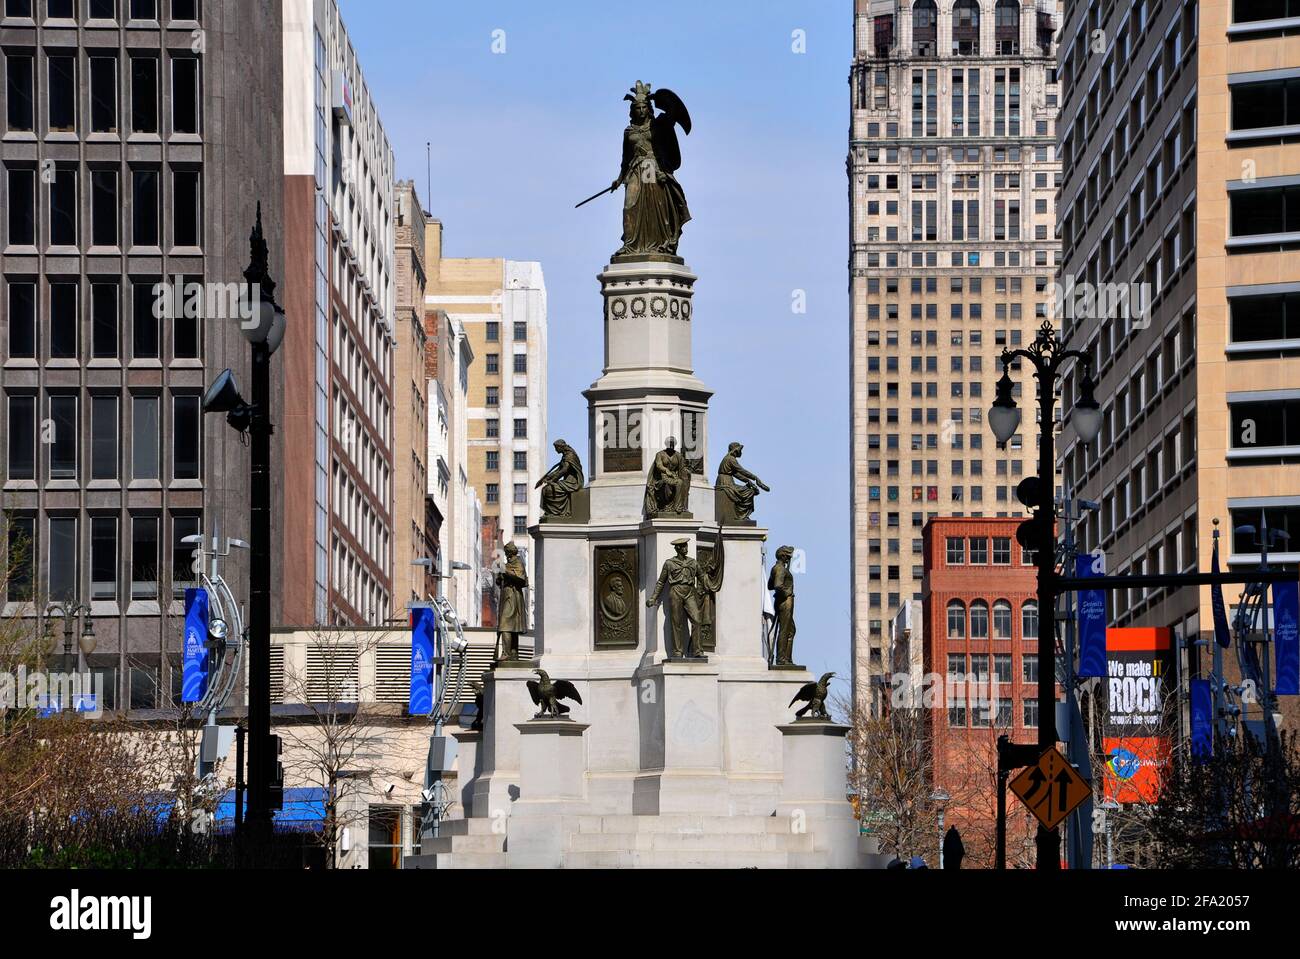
690 586
512 614
654 204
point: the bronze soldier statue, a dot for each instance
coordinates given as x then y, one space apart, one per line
512 614
781 584
561 481
687 584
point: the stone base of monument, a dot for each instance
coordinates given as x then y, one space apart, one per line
552 785
813 792
505 699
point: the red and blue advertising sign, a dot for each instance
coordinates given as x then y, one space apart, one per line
1139 684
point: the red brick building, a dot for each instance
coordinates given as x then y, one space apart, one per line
981 637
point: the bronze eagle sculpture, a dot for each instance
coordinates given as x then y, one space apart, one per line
547 693
814 694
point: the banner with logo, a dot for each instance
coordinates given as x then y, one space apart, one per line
424 627
1092 621
1286 611
1201 707
194 656
1140 686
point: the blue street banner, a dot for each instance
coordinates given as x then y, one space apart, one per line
1286 613
1221 634
424 626
194 662
1092 622
1201 702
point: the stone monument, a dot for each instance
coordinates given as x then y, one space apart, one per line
679 744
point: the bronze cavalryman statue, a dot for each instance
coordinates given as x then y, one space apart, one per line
781 583
512 614
561 482
668 487
688 586
740 495
654 205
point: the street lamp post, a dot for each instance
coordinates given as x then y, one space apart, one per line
70 613
942 797
264 330
1047 357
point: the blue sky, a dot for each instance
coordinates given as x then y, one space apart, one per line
518 137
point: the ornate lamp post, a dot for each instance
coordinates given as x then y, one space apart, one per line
70 613
1039 534
264 331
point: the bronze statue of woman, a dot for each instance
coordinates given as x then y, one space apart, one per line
654 204
561 481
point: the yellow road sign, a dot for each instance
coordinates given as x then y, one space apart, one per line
1051 788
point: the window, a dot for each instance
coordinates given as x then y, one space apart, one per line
22 437
521 525
144 9
187 197
1002 667
103 438
22 320
1255 425
1003 718
1029 667
521 362
1274 103
18 80
185 9
1264 210
104 207
521 396
63 437
103 94
60 9
22 558
144 324
493 331
182 552
101 9
956 550
521 429
979 620
185 95
493 429
187 338
63 558
1002 620
144 94
1267 317
521 460
144 207
144 557
956 620
1029 620
63 208
63 320
1002 550
956 665
103 320
493 493
979 550
22 207
187 437
144 437
521 331
1031 713
385 846
957 712
63 94
103 557
493 396
492 461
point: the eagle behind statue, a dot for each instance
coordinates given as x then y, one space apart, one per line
547 693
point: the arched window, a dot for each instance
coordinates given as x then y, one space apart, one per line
979 620
956 620
1002 619
965 28
1006 27
1029 620
925 28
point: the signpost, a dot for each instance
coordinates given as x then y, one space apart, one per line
1051 788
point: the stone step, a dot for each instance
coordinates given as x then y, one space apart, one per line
676 859
489 843
719 844
475 860
682 823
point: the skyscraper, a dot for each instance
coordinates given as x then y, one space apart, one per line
952 178
139 136
1181 159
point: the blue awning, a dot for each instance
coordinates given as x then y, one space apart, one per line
303 811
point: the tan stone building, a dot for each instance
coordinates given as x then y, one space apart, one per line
952 174
501 307
1181 156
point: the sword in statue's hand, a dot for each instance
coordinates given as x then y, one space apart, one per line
611 189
